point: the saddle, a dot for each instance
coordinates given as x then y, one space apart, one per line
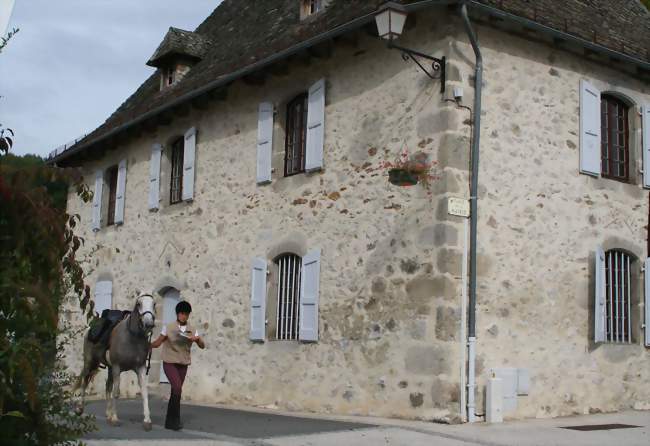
100 330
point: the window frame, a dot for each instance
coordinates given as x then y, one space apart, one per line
613 112
288 267
310 7
296 117
111 177
619 265
177 154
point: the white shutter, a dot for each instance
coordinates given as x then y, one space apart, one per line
97 200
264 142
189 154
599 296
309 290
154 177
119 194
589 129
103 296
315 127
645 112
258 301
647 302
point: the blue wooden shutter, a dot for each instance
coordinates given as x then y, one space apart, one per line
309 291
315 127
599 297
645 112
154 177
590 161
189 154
258 301
103 296
264 142
119 195
97 200
647 302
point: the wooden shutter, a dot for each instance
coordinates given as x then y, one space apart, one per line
315 127
119 196
97 200
258 301
264 142
189 152
590 158
645 118
647 302
154 177
599 296
103 296
309 290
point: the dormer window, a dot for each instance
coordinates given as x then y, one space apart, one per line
168 77
310 7
179 51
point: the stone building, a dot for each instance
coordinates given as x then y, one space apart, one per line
247 175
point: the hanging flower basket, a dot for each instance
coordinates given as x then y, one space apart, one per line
402 177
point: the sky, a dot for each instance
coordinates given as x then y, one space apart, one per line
73 62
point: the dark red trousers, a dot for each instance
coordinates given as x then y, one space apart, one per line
176 375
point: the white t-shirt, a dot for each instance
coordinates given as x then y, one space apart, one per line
182 328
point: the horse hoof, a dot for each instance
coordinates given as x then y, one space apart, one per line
146 426
115 423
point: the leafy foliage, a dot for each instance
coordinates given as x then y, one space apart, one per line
39 272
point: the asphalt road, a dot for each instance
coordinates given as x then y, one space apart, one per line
201 422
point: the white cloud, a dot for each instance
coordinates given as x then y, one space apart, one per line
75 61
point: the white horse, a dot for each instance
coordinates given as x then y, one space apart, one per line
128 350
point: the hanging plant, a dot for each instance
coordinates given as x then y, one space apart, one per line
409 170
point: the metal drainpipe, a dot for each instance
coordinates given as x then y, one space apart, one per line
471 329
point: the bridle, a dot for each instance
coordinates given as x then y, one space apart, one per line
141 326
136 310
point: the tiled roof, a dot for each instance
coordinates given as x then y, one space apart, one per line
245 32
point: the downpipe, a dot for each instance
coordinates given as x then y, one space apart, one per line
471 324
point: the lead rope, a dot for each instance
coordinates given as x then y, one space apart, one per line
149 356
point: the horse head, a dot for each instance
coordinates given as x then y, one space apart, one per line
145 306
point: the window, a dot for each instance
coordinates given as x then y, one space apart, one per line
176 186
618 325
168 76
112 194
289 269
296 138
310 7
614 138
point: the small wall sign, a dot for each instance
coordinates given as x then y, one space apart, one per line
458 206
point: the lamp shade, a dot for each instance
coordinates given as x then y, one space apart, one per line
390 20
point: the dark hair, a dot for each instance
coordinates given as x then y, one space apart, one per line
183 307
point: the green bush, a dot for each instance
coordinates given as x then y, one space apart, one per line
38 273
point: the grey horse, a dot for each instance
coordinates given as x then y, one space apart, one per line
128 350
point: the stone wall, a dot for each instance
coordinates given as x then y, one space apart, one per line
390 271
540 222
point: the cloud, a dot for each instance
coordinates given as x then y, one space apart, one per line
75 61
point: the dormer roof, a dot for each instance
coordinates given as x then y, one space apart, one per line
180 43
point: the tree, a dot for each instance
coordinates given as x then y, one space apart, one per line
38 274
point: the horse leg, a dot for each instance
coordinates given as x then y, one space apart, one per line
113 420
109 390
142 381
86 376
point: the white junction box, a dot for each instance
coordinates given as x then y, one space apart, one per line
494 401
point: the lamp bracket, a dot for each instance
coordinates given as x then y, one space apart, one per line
438 66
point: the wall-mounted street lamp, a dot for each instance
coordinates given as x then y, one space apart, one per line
390 18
